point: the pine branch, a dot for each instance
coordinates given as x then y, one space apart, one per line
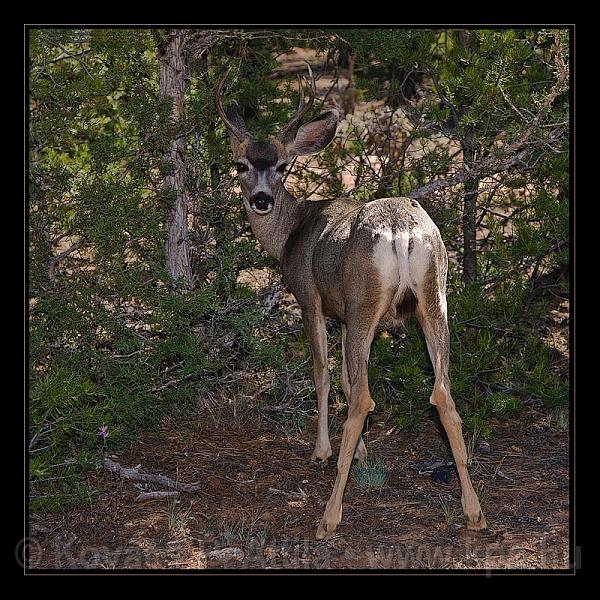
514 154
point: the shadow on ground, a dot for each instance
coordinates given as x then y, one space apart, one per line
261 499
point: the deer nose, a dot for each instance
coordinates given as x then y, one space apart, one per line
261 201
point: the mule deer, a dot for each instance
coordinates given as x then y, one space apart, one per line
369 265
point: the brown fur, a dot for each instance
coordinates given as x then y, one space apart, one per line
369 266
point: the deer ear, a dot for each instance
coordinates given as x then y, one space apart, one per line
234 114
314 136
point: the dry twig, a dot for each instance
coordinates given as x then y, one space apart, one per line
135 474
143 496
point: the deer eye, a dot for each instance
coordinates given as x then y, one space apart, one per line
241 167
281 168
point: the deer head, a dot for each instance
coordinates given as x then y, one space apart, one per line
261 164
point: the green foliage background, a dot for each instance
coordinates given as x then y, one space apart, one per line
109 341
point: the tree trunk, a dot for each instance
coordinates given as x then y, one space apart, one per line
39 193
349 96
173 84
469 214
470 193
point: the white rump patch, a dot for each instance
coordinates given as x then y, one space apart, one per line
399 270
420 257
390 255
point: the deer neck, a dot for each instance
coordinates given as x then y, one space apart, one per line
274 229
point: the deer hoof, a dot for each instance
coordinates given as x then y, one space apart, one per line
360 454
325 530
477 523
321 454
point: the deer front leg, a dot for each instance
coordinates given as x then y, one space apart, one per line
314 325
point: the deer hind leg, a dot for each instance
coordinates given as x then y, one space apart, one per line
314 325
358 343
361 451
432 315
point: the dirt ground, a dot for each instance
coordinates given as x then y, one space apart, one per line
261 499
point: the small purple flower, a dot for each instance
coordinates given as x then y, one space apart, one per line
103 431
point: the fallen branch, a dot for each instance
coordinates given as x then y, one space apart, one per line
158 388
43 430
300 494
244 480
155 496
136 475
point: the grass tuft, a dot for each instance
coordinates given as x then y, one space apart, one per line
370 474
